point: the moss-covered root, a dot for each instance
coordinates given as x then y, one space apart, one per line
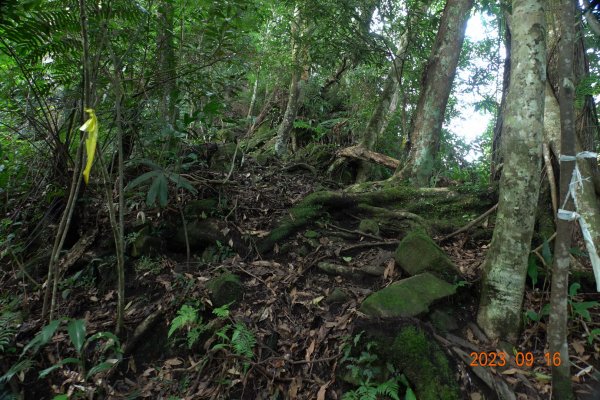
425 365
308 210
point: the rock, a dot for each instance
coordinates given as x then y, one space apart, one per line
369 226
337 296
408 297
225 289
418 253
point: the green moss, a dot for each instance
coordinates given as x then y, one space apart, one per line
407 298
369 226
225 289
425 365
418 253
312 234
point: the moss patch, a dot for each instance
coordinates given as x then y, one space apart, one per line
425 365
369 226
408 297
418 253
225 289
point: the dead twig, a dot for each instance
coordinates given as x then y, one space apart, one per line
470 224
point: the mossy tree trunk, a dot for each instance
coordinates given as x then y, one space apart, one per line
506 263
437 84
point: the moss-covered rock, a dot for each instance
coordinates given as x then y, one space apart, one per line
225 289
425 365
408 297
337 296
418 253
369 226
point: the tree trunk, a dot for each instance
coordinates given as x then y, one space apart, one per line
497 159
437 84
283 134
166 62
381 112
559 316
506 263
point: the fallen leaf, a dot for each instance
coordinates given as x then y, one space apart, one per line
578 346
310 350
389 269
322 391
173 361
294 387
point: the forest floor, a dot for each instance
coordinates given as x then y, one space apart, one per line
301 332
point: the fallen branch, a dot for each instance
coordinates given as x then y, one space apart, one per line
470 224
362 153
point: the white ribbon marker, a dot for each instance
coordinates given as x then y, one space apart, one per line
576 182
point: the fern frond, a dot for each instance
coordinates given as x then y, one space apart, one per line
8 329
186 315
243 340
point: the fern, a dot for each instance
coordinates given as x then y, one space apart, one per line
186 316
243 340
8 329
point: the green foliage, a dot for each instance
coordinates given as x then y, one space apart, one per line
106 345
367 372
158 178
580 308
187 315
531 315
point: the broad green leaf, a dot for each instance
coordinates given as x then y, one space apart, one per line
91 127
532 270
61 397
547 253
76 329
42 338
180 181
103 366
582 308
152 193
141 179
45 372
16 368
410 395
111 341
163 190
573 289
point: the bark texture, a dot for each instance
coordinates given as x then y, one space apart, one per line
506 263
437 84
557 329
291 110
386 103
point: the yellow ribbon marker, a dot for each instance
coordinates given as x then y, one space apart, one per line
91 127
